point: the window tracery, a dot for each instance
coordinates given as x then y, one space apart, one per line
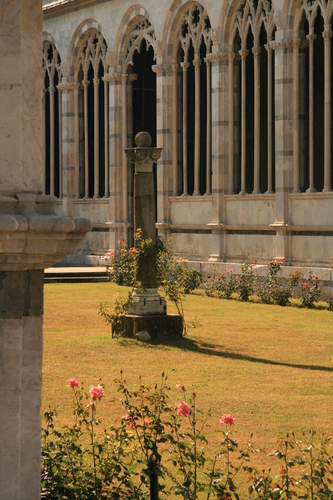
92 118
313 101
51 120
192 91
252 125
142 31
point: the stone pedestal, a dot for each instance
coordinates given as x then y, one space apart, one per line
32 238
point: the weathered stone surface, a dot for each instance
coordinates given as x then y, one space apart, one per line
158 326
144 336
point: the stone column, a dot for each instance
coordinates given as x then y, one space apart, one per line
269 118
185 66
96 136
174 129
231 59
44 139
208 131
220 145
32 237
283 140
51 91
60 139
70 143
311 37
327 35
115 159
164 120
256 185
197 64
106 138
243 53
124 145
85 84
295 44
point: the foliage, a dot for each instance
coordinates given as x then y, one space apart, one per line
276 289
159 440
245 281
122 269
120 308
175 277
221 286
310 291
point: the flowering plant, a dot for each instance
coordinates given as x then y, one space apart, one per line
159 446
122 270
276 289
310 291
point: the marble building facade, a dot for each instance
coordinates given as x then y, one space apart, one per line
239 96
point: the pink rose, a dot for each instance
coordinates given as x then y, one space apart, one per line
316 278
73 382
306 285
96 392
183 409
226 418
130 422
283 259
132 250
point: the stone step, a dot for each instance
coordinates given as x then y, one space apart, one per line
75 275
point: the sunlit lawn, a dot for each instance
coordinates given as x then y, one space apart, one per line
269 366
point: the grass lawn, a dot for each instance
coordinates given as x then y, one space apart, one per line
271 367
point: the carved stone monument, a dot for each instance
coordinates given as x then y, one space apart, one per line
32 238
147 310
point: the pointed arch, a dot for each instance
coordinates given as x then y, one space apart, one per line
51 118
88 68
136 26
311 24
247 34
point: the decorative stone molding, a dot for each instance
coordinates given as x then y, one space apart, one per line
32 236
68 86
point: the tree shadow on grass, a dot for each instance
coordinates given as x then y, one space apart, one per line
186 344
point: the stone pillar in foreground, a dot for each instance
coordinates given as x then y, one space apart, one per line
32 238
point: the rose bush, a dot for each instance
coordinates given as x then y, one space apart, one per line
163 442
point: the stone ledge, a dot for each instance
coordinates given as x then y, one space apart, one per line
32 236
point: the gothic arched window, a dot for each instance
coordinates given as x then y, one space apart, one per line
194 102
312 97
51 121
253 99
93 170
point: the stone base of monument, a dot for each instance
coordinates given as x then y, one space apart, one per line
157 325
146 302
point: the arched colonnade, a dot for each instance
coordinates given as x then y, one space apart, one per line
243 111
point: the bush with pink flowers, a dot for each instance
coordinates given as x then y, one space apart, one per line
310 291
159 447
